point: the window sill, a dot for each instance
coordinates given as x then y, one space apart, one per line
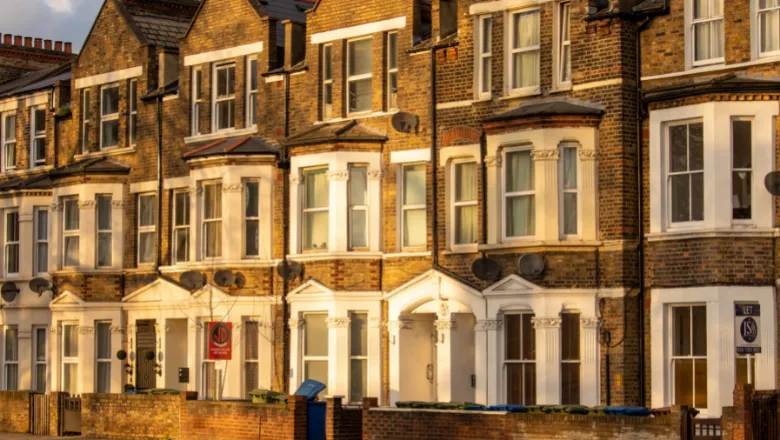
220 135
713 233
705 63
563 87
28 172
76 270
192 265
540 243
323 256
462 250
106 152
356 116
407 255
522 93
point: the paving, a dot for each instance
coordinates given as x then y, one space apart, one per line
7 436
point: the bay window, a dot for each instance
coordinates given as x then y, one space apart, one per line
392 71
212 220
359 79
358 357
251 357
689 355
103 357
315 348
769 27
109 116
11 359
358 207
485 58
520 359
70 232
40 334
133 114
41 251
519 197
224 96
12 243
252 218
147 228
741 168
686 172
197 99
708 34
9 141
524 45
251 92
569 192
413 206
86 112
563 48
464 203
209 379
38 130
181 227
327 82
316 202
70 358
104 240
570 358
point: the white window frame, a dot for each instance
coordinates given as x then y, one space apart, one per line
197 100
110 117
69 360
247 359
305 210
250 93
505 195
577 361
693 358
304 334
563 191
352 78
36 361
146 229
40 240
506 362
86 119
481 23
746 170
248 219
512 51
690 15
562 16
99 231
70 232
403 207
455 204
671 225
327 81
391 71
132 117
760 29
205 221
11 244
183 227
8 141
6 362
218 99
36 136
352 208
98 359
362 358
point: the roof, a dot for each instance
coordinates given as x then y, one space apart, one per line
247 145
293 10
549 107
729 83
37 80
160 22
350 131
99 165
650 6
29 183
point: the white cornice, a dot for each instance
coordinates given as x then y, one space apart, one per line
359 31
106 78
223 54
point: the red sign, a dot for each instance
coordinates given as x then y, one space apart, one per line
220 341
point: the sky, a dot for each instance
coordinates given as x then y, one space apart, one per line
57 20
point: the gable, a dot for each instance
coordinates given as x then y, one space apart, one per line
158 291
213 30
310 288
512 284
67 298
112 44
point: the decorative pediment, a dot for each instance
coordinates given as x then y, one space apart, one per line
67 299
432 289
217 294
161 290
311 287
512 284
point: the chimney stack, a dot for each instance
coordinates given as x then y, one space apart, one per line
47 44
8 39
27 41
58 46
39 43
68 47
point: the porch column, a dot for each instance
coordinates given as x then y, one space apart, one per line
25 352
394 329
486 351
374 213
548 359
591 379
444 385
337 237
296 325
338 356
192 356
86 367
588 178
232 214
546 184
55 355
375 358
493 202
26 253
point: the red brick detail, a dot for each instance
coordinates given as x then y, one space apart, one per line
449 137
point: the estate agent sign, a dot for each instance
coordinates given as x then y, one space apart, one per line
220 341
747 322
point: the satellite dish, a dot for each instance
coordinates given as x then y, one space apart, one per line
149 355
531 265
9 291
486 269
240 280
772 183
289 270
121 355
405 122
193 280
39 285
224 278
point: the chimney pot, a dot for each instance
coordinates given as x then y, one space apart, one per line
58 46
47 44
68 47
18 41
8 39
39 43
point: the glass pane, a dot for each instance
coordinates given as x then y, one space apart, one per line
104 212
40 120
700 383
104 249
253 74
565 21
526 29
316 336
85 106
360 95
358 380
770 31
327 62
360 57
40 344
513 336
71 215
212 201
225 114
529 384
678 148
213 238
104 377
40 378
182 244
702 37
570 336
742 144
741 189
415 228
357 223
147 210
317 189
681 203
357 186
315 230
104 340
222 78
110 101
110 133
570 384
697 197
569 161
466 224
487 66
70 341
466 182
252 237
570 213
526 69
520 216
681 331
359 334
182 208
328 101
699 330
70 377
529 338
146 247
317 370
42 257
414 185
520 171
696 146
10 128
11 344
12 377
487 35
252 337
252 374
252 199
12 227
566 63
392 51
716 30
12 254
71 251
514 384
133 95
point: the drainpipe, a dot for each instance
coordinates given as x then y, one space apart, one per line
159 181
285 166
434 163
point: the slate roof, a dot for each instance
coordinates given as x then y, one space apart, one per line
34 81
160 27
649 6
246 145
350 131
293 10
549 107
99 165
30 183
729 83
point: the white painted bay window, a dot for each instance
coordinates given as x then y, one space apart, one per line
569 191
413 206
485 58
251 218
741 168
103 357
104 235
525 49
181 227
316 202
40 335
464 203
520 359
358 357
12 243
70 358
212 220
38 130
251 91
520 196
686 172
147 228
224 96
41 230
769 27
563 49
315 348
708 32
132 117
251 357
197 100
327 82
9 142
11 359
570 358
359 78
392 71
109 116
70 232
86 119
358 207
689 355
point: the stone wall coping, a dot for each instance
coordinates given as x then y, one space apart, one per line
612 420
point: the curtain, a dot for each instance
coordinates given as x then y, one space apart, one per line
315 230
770 29
104 340
70 378
104 377
569 168
317 189
213 201
466 224
42 257
316 341
146 247
360 57
358 227
414 185
415 228
104 249
147 211
71 215
520 171
71 251
357 186
70 341
521 213
213 239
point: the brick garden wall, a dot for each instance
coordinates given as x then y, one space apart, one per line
120 416
15 411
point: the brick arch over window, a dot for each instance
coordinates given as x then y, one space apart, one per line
453 136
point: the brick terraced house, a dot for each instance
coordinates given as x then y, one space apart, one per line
325 175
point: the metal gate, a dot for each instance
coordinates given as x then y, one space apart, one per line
315 423
707 429
765 416
71 415
39 414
